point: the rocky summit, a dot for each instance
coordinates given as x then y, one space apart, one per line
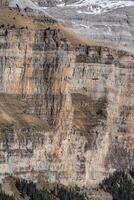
66 104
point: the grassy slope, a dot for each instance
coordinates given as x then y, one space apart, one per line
12 112
10 18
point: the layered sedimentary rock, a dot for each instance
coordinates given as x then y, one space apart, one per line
114 27
103 21
66 107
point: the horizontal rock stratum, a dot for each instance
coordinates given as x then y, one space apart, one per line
66 105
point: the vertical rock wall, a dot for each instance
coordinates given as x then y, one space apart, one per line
83 93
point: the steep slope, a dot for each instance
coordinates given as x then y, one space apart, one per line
103 21
10 19
81 6
88 6
66 106
115 27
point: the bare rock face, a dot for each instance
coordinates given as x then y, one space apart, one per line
115 27
66 110
105 21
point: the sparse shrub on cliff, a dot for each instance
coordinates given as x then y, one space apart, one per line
120 185
100 113
131 172
2 26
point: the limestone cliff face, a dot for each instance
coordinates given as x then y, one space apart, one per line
66 110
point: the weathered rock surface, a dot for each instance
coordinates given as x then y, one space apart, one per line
66 110
115 27
103 21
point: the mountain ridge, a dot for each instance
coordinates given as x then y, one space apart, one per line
89 6
82 6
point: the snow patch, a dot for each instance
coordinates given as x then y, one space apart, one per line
84 26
